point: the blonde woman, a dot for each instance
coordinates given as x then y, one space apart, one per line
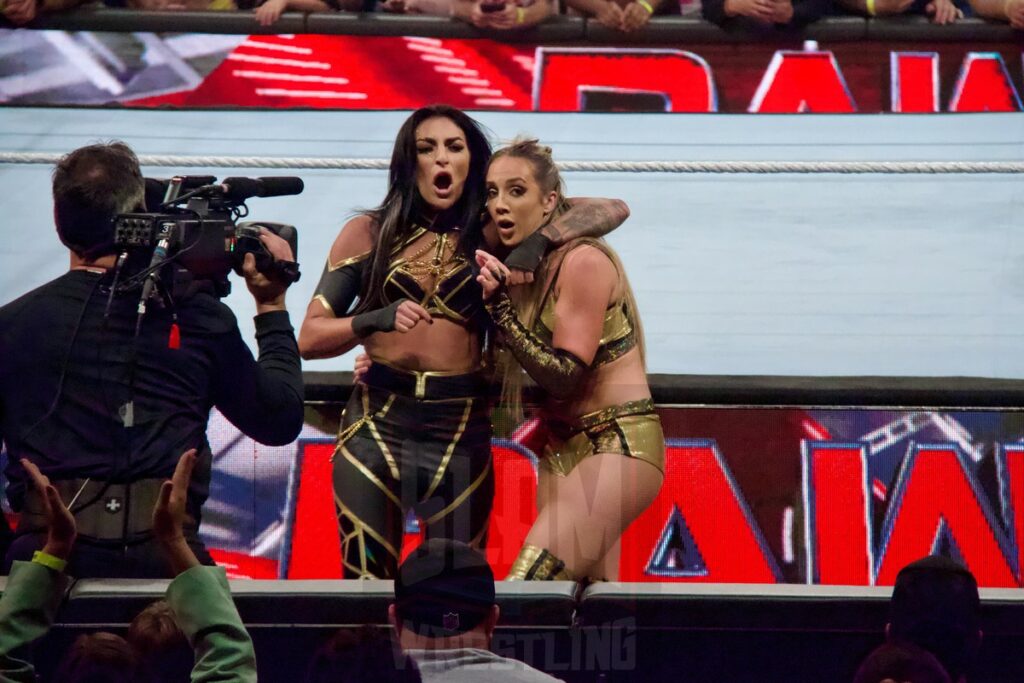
575 331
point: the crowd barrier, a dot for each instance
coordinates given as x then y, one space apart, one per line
607 631
560 29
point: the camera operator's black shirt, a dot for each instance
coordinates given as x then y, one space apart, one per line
66 377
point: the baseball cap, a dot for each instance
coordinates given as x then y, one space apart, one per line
443 588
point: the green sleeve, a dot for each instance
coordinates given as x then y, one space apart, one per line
205 612
27 610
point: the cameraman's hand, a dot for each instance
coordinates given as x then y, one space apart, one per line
169 516
268 291
61 530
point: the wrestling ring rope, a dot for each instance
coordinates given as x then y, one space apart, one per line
838 167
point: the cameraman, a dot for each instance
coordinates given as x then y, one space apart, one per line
103 412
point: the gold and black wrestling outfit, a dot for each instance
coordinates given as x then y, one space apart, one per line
631 429
412 440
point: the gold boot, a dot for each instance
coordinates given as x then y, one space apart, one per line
537 564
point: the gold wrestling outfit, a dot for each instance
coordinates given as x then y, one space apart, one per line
630 429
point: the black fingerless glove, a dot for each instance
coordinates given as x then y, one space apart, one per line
530 252
380 320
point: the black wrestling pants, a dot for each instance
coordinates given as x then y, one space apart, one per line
411 441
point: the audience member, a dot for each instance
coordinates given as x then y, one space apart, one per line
900 663
353 656
441 8
502 15
1001 10
180 5
445 615
21 12
935 606
6 535
759 15
624 15
99 658
940 11
163 650
198 596
269 11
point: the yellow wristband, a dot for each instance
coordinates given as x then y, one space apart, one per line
47 560
520 15
646 5
871 6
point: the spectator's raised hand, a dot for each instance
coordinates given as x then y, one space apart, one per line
763 10
943 12
270 11
635 16
60 523
169 515
20 11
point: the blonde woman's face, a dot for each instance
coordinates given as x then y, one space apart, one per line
515 201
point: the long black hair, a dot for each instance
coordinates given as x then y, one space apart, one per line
395 216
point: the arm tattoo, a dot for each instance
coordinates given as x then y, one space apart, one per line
587 218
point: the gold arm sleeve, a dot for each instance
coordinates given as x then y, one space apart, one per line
557 371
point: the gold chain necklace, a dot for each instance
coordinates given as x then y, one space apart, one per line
436 265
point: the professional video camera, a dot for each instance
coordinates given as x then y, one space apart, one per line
192 225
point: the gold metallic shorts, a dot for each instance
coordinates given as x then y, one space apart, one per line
631 429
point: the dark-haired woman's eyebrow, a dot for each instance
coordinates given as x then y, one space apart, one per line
453 140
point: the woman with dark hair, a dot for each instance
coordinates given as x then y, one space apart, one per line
416 432
577 333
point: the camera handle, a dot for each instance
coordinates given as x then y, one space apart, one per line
247 240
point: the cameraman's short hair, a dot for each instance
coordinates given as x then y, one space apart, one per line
91 185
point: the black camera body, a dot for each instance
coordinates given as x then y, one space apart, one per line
204 237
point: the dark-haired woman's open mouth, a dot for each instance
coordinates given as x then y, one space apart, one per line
443 184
